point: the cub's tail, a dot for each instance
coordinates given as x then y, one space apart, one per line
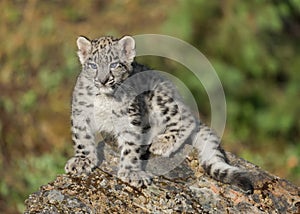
214 161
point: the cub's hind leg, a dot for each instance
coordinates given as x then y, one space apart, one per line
178 124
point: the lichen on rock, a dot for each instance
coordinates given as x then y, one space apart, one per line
185 189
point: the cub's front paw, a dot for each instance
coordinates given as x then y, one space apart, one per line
135 178
79 165
162 145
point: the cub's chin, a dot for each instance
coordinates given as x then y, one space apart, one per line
106 90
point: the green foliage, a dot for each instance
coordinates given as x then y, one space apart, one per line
254 47
33 172
28 100
34 169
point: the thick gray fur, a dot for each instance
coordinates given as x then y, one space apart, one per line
142 110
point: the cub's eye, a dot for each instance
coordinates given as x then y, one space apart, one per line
92 65
114 65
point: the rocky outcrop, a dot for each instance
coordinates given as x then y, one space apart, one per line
185 189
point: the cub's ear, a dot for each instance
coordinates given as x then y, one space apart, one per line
84 48
127 45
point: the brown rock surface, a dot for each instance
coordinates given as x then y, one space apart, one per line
186 189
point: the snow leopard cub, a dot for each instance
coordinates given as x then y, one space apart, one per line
142 110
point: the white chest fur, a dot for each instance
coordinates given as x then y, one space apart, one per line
105 115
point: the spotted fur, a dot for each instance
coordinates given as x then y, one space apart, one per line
141 109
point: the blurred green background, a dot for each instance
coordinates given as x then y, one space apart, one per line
253 45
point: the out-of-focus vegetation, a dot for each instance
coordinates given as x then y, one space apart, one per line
253 46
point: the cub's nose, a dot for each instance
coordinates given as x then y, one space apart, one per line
102 81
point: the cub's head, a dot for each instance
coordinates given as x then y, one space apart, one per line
106 61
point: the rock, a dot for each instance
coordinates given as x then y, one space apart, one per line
185 189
